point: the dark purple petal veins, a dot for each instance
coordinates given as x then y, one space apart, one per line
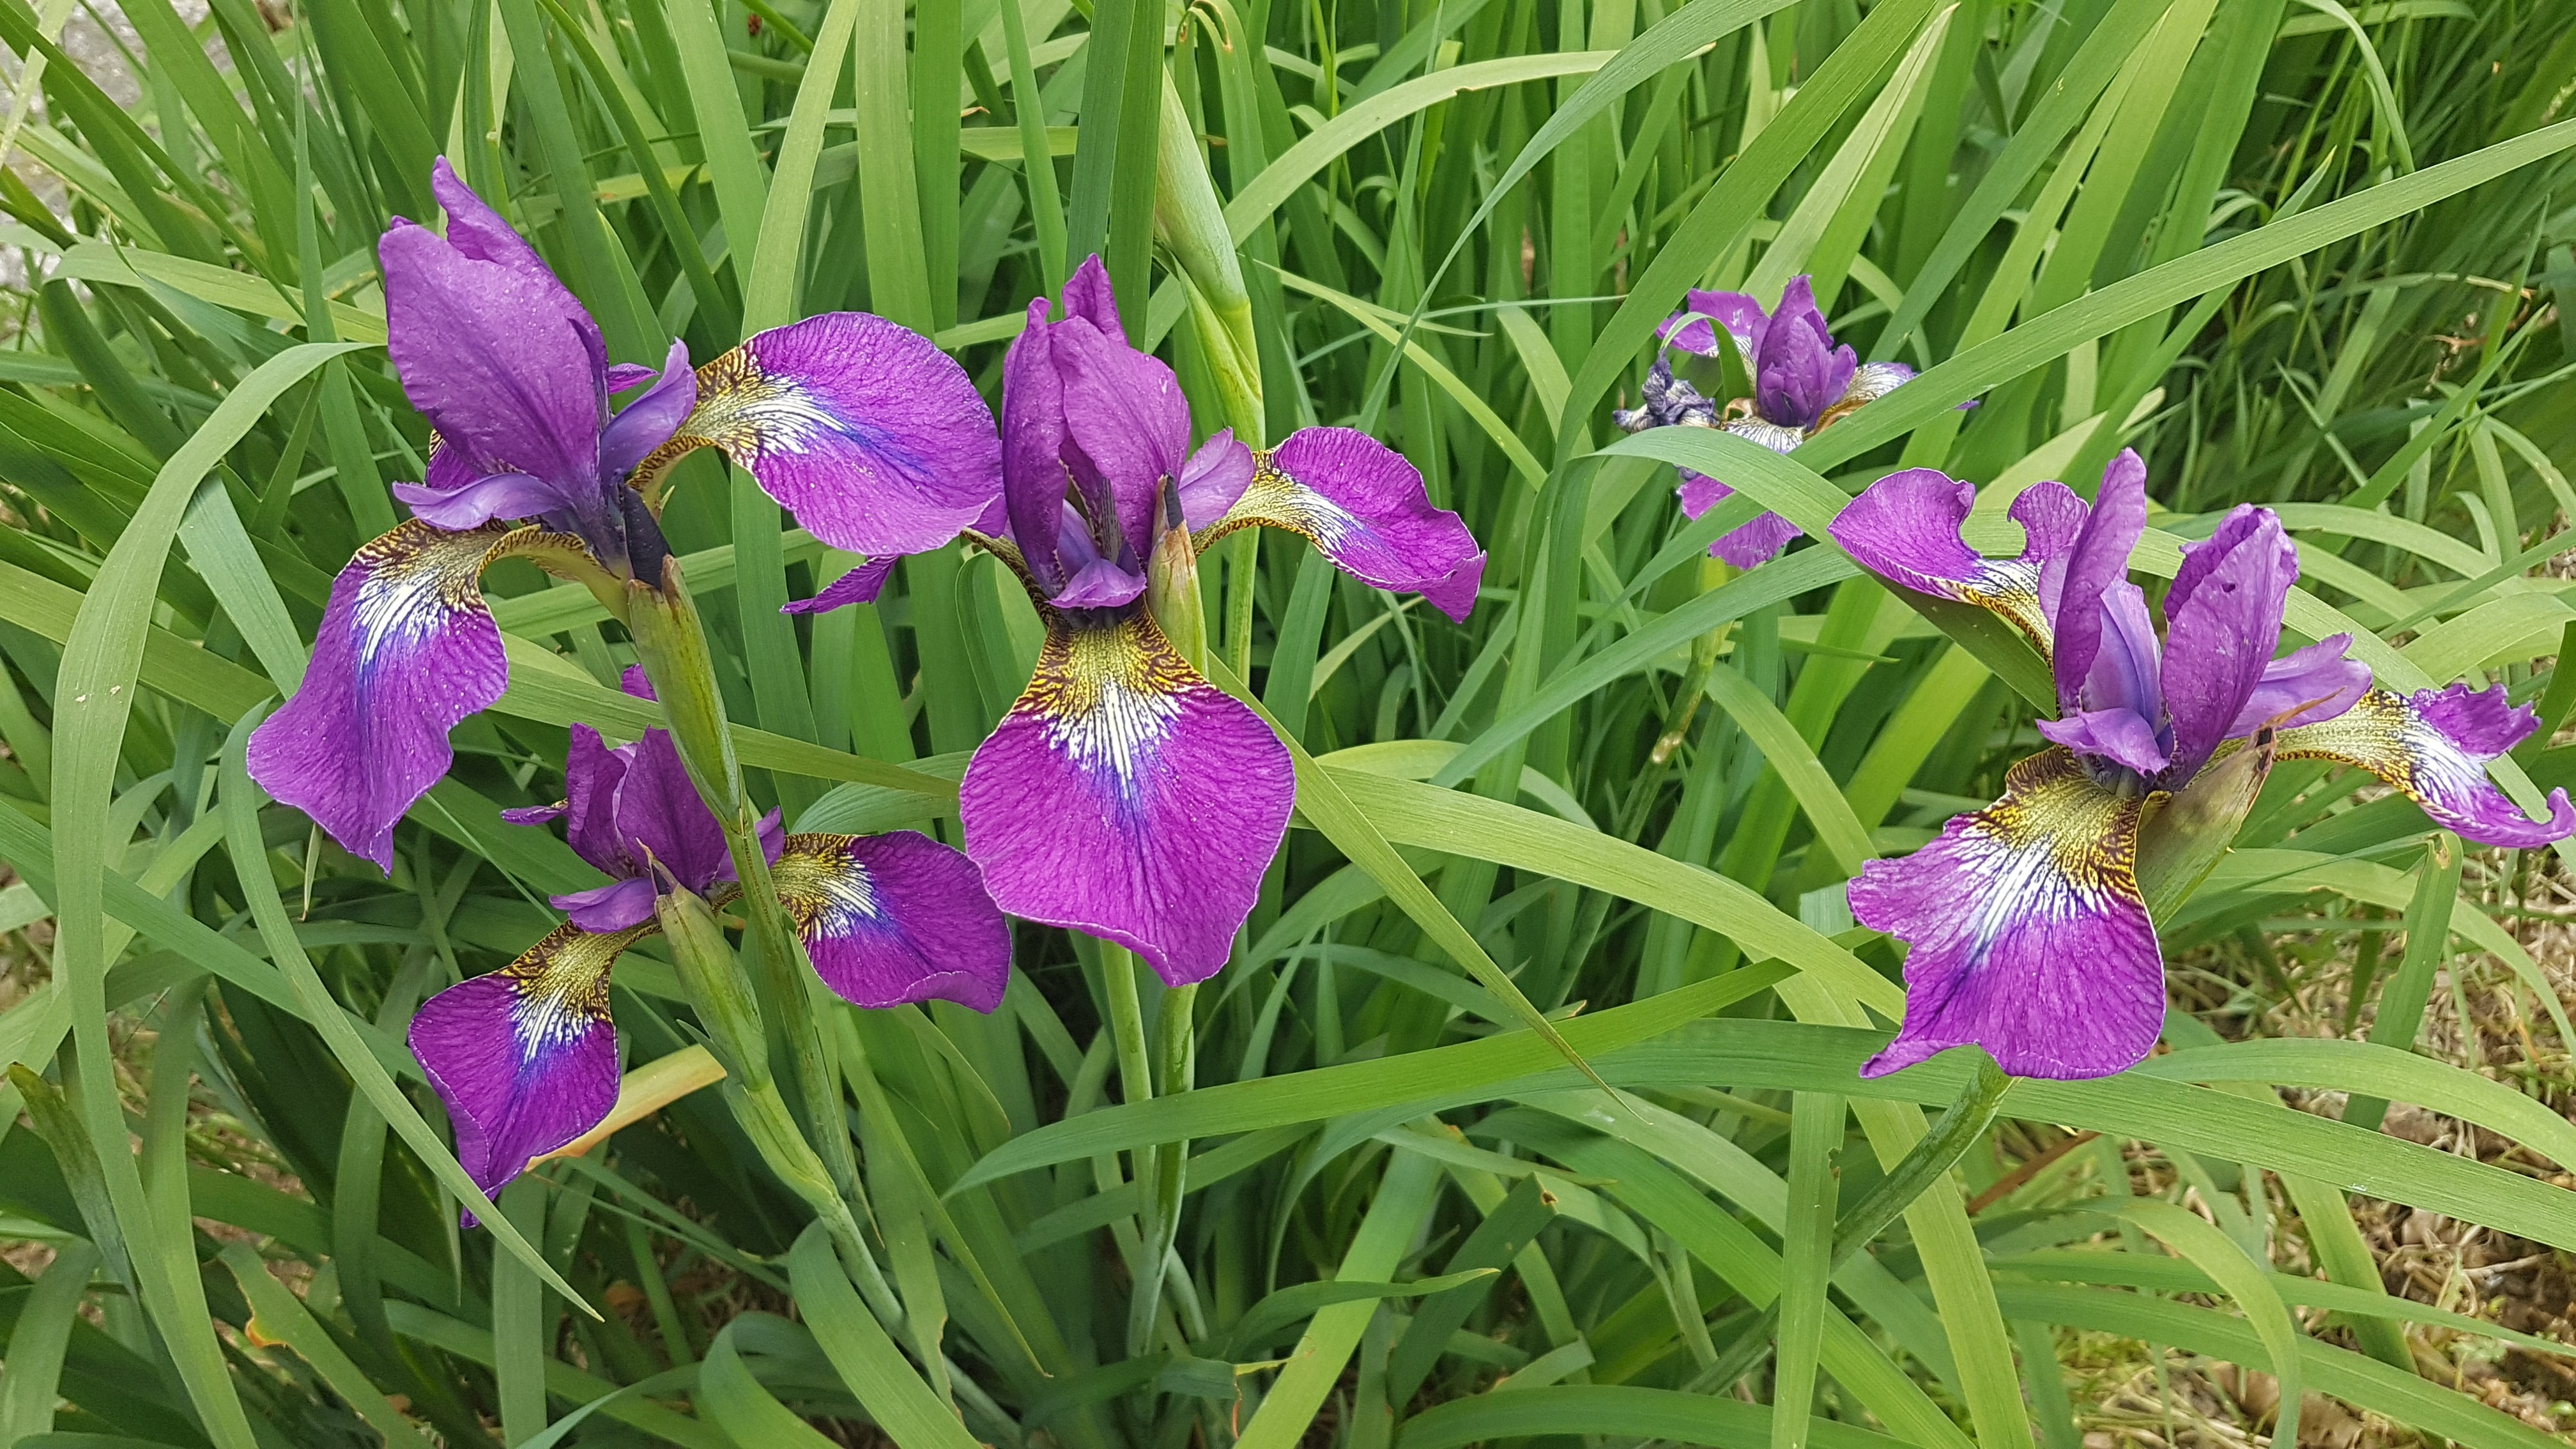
1126 797
1748 546
1366 508
2434 746
2025 930
525 1058
874 438
895 918
406 649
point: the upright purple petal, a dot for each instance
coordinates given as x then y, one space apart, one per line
874 438
1127 797
1087 295
2125 666
503 361
592 774
1214 478
2223 620
647 423
1905 528
525 1058
663 821
405 650
2434 746
2317 681
1798 371
2051 518
1747 546
894 918
1129 422
1033 435
1366 508
2100 558
2027 935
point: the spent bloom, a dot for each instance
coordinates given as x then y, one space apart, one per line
526 1057
867 432
1123 794
1802 383
2028 930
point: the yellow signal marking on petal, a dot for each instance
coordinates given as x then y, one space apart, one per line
644 1091
2058 839
1107 692
418 577
743 410
561 984
2384 735
1275 499
821 883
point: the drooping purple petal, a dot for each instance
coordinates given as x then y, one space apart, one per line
1905 528
406 649
894 918
1741 316
502 360
2051 518
2026 931
1127 797
874 438
612 907
2072 591
648 422
525 1058
2317 681
2434 745
1874 380
2223 620
1365 507
1129 421
1747 546
1213 479
860 585
500 496
1778 437
1798 372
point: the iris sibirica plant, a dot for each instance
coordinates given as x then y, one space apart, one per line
2028 925
1124 795
878 444
1789 381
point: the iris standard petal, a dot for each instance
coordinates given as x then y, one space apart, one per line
1033 472
662 820
1905 528
592 774
2223 620
2027 934
1798 372
406 649
1214 478
1365 507
2317 681
1125 796
525 1058
894 918
2072 590
1128 419
2125 672
874 438
1748 546
502 360
2434 745
1088 295
647 423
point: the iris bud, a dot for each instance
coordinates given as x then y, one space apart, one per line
1190 223
672 643
2182 836
1172 582
716 987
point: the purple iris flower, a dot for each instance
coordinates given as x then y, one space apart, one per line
526 1057
874 438
1802 384
1123 795
2028 933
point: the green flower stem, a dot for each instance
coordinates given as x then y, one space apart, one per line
672 642
1176 1061
1136 1084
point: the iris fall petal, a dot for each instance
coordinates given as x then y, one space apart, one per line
894 918
1365 507
2027 934
2434 746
